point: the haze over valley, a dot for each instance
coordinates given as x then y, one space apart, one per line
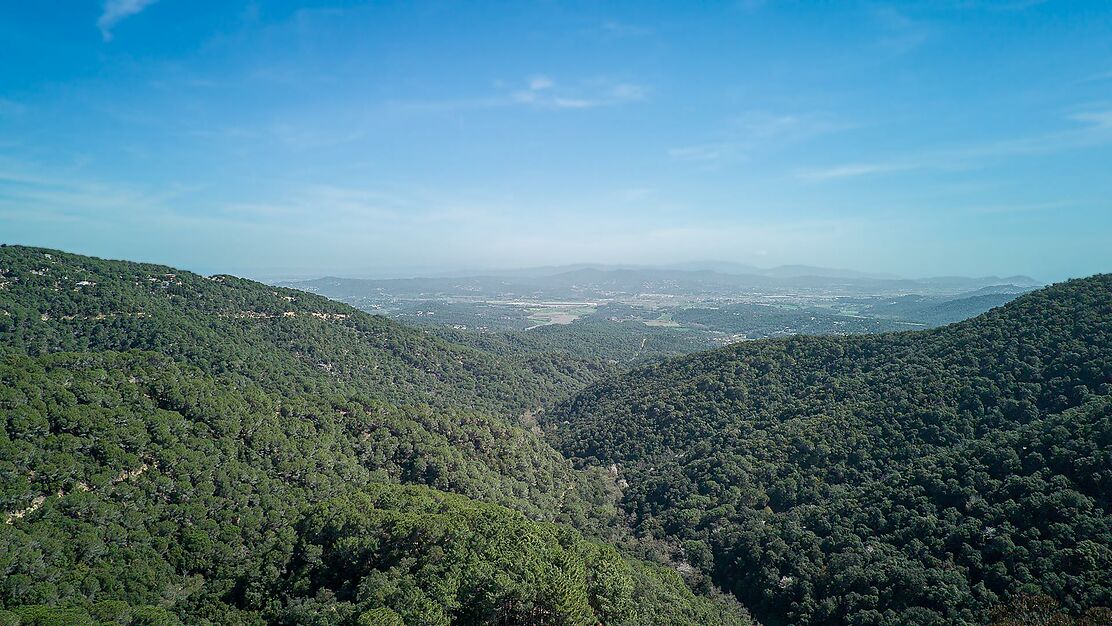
673 310
556 313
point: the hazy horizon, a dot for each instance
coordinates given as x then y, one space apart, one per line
280 274
911 138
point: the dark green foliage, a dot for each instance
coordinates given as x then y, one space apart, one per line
179 449
106 612
1039 610
913 478
135 475
935 311
762 320
177 483
281 338
417 556
602 344
130 479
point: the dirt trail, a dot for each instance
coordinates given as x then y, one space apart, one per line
37 503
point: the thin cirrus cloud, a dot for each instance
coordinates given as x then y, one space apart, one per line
116 10
704 152
328 206
36 196
544 92
617 29
539 92
753 130
11 107
900 33
852 170
1095 130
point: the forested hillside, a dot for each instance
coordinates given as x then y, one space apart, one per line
280 338
615 345
934 312
911 478
181 449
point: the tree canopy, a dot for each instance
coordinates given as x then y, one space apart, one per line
919 477
169 444
180 449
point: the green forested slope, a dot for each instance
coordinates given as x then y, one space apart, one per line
300 348
913 478
280 338
611 344
166 443
136 489
436 557
179 449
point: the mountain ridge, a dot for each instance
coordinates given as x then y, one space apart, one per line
779 442
249 441
167 440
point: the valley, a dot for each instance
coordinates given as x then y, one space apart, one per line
689 309
290 459
555 313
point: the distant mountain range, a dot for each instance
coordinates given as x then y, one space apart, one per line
718 267
593 281
780 271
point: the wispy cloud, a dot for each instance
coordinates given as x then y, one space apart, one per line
1011 209
540 92
755 130
11 107
900 34
1095 130
657 242
329 206
616 29
30 194
997 5
544 92
850 170
634 194
302 137
53 197
749 5
116 10
540 83
1100 120
708 152
762 125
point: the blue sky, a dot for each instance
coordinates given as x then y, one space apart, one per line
918 138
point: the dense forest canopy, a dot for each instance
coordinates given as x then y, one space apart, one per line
180 449
280 338
169 443
910 478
